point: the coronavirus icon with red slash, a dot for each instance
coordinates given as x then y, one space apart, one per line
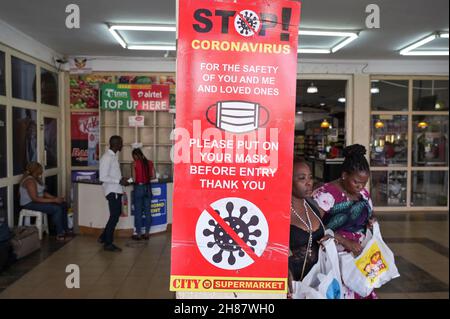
232 234
247 23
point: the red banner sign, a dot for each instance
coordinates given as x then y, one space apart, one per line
85 138
236 75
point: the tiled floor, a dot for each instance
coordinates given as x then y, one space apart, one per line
419 241
23 266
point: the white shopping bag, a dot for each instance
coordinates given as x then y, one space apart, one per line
307 289
324 279
374 267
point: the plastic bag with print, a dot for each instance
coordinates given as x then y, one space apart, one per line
374 267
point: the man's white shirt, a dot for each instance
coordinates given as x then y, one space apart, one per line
110 173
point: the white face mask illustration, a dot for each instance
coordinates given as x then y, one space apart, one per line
238 116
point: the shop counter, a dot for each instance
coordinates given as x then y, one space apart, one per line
91 211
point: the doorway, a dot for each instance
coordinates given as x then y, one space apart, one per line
50 151
320 125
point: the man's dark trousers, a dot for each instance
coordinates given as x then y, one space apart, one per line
115 210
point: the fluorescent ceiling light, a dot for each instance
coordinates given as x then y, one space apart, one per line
349 37
155 27
409 49
425 53
313 51
342 99
344 43
150 27
322 104
312 89
326 33
114 29
299 112
118 38
153 47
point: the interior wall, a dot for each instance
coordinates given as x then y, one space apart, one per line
325 65
27 45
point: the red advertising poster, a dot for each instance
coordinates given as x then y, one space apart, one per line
85 138
233 145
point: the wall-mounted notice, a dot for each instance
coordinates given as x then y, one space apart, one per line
136 121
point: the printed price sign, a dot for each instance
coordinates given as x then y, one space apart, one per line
233 145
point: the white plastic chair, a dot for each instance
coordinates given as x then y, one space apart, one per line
41 220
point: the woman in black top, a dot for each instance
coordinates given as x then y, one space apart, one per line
306 229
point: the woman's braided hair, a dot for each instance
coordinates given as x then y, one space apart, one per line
355 161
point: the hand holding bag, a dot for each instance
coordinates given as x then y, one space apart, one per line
324 279
330 279
374 267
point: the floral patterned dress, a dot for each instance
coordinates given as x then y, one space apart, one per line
346 217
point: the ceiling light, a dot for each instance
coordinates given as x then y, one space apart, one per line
379 124
322 104
149 27
422 124
299 112
342 99
153 47
344 43
325 124
326 33
409 49
418 44
152 27
312 89
314 51
427 53
349 37
117 37
374 89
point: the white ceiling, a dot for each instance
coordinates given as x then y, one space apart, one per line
402 22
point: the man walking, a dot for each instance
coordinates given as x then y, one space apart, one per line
113 183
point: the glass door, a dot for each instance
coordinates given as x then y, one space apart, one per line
50 154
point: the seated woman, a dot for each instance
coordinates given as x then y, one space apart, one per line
306 229
33 197
347 204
